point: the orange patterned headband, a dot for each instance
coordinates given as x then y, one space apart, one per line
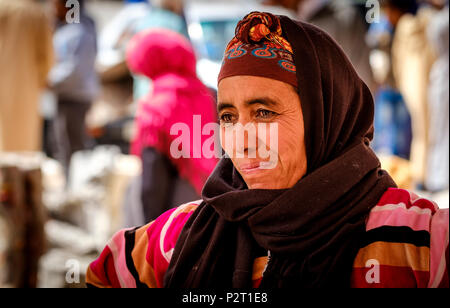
259 49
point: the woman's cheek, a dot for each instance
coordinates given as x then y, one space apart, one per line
290 145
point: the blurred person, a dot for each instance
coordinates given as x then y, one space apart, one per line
167 14
438 104
392 122
113 111
168 59
324 215
73 80
117 33
412 59
26 57
344 23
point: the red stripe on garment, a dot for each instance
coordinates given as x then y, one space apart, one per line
103 268
390 277
397 195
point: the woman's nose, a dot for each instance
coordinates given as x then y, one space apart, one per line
245 136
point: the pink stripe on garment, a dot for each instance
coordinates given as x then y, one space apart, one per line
438 247
397 215
117 247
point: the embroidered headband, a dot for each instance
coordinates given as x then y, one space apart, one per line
259 49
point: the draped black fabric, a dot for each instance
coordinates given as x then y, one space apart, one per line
312 230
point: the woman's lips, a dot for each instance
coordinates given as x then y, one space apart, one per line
253 167
249 167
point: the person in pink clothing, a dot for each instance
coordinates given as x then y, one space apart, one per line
177 99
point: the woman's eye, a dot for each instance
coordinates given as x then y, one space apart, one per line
265 114
226 118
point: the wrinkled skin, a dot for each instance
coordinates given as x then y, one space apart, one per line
250 99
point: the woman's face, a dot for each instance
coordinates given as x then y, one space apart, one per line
262 131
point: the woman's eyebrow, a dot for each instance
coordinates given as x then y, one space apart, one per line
266 101
222 106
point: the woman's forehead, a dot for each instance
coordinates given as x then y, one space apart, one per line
248 91
250 86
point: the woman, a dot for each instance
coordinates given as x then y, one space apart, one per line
168 59
324 215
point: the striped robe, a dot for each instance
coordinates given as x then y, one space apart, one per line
405 245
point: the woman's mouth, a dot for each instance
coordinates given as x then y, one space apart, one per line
256 166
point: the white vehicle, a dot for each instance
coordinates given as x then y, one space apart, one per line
211 25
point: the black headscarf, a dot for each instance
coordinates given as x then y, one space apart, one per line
312 230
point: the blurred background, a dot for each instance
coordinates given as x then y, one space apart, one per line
83 120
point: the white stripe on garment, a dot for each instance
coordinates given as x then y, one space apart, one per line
168 255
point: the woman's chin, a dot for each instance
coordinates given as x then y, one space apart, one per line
257 186
258 179
261 184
